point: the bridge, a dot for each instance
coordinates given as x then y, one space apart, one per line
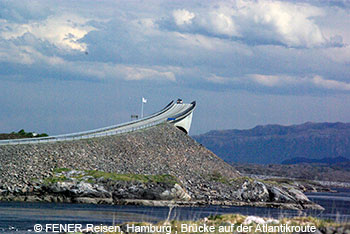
177 113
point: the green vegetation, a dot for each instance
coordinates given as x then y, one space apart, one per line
21 134
54 179
30 134
218 177
90 175
133 177
60 170
242 179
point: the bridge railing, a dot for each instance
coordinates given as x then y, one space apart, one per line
110 130
106 131
77 137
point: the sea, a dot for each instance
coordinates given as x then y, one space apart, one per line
20 217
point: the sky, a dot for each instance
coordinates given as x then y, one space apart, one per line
68 66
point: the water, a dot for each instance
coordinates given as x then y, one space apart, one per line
337 204
23 216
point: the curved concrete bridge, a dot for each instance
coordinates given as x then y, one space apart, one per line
179 114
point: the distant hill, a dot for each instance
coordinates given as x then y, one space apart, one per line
329 161
276 144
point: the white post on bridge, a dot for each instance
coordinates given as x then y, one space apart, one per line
144 100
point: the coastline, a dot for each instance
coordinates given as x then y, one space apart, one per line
122 214
319 185
159 203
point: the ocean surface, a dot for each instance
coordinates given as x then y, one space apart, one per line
17 217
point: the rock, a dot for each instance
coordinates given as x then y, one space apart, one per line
90 200
3 192
160 150
166 195
175 193
297 194
103 192
86 190
253 219
278 195
59 187
254 191
76 189
47 199
32 199
180 193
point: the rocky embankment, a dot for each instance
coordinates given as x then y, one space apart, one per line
100 188
107 170
310 186
74 186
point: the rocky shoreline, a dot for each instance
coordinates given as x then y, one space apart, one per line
96 187
156 166
313 186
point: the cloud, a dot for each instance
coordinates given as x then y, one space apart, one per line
183 16
339 55
220 23
218 79
9 53
63 31
265 45
330 84
137 73
215 52
257 22
58 68
24 11
287 84
274 80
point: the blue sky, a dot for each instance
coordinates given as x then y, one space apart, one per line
69 66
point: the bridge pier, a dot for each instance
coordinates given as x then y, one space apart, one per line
185 124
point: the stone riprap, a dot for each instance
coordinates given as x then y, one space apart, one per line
159 150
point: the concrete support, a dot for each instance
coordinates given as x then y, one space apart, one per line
185 124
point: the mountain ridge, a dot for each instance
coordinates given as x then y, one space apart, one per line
329 161
275 143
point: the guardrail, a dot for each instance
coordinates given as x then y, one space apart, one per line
77 137
183 115
106 131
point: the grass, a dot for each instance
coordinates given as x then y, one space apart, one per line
59 176
60 170
55 179
240 180
133 177
218 177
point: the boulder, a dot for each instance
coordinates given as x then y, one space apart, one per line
254 191
279 195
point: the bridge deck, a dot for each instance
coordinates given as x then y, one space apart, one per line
171 113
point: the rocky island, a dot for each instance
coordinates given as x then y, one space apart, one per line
160 165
